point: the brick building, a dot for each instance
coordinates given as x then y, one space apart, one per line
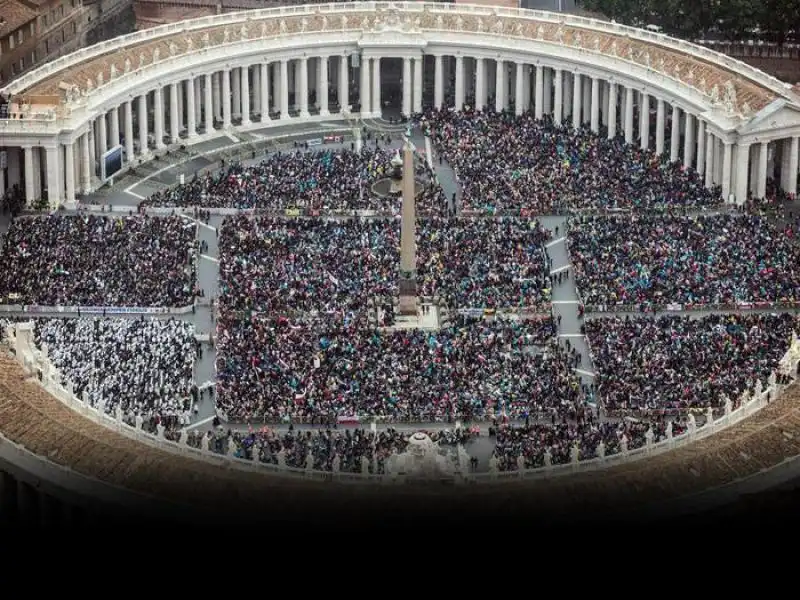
36 31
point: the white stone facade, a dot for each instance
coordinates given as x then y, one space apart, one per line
190 81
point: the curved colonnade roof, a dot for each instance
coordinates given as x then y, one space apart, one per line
728 87
31 417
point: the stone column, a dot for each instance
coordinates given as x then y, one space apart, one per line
208 104
158 124
86 160
303 87
236 88
103 134
54 191
594 118
144 149
709 159
265 99
406 86
538 105
344 83
245 82
322 92
761 192
285 89
660 124
364 87
128 116
215 81
30 193
257 96
114 134
500 86
675 133
191 118
376 87
417 96
69 171
701 146
727 161
688 141
644 122
548 91
629 92
459 83
91 152
438 82
174 115
612 110
742 171
558 114
519 89
791 182
480 83
577 96
198 104
226 99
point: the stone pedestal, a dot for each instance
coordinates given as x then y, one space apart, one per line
408 296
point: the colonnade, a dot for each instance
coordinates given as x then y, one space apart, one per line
282 90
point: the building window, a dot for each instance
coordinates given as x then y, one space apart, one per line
33 57
22 64
74 28
61 10
33 29
47 46
20 36
13 69
44 21
63 35
11 42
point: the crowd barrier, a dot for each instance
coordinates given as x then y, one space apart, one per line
676 307
37 362
97 310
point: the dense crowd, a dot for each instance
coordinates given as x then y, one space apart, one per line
677 362
322 180
542 443
686 260
506 162
277 369
143 366
318 449
89 260
276 265
486 263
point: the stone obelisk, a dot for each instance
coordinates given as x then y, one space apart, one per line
408 240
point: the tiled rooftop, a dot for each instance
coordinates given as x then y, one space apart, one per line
15 14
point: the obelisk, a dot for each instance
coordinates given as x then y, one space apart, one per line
408 240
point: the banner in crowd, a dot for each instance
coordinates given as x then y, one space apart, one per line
348 420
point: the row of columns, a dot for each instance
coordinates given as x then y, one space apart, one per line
279 89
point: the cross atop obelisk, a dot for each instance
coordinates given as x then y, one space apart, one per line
408 240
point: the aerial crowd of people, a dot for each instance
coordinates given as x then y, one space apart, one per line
277 369
274 265
510 163
672 362
715 259
143 367
91 260
295 339
329 180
